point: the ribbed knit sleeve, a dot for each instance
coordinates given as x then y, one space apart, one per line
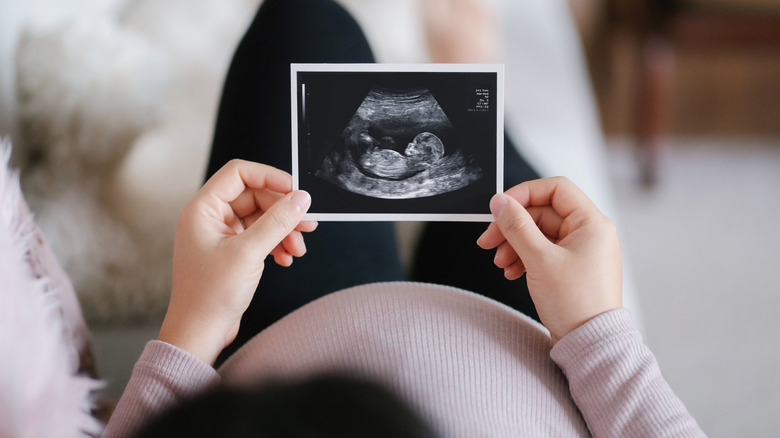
615 381
163 376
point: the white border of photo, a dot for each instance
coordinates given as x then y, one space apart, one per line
402 68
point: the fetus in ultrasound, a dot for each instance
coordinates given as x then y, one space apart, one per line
385 162
396 147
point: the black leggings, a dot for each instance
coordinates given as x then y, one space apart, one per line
254 124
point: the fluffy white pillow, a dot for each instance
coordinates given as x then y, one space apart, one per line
42 335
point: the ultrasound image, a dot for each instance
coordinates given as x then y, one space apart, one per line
399 145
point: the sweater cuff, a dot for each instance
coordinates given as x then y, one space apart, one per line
601 330
185 373
162 377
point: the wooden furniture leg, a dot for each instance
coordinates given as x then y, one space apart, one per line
656 62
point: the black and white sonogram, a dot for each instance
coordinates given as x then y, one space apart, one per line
378 139
394 147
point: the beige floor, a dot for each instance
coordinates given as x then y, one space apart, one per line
704 248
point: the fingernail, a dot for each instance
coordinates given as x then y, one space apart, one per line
498 203
301 199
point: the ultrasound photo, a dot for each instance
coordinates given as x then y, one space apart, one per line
398 142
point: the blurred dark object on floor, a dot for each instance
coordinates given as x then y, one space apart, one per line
660 33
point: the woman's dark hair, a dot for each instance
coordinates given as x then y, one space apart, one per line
323 406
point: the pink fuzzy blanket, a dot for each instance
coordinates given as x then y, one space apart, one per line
47 384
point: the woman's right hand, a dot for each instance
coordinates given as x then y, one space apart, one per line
244 213
550 230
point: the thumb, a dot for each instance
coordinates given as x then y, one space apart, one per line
276 223
519 229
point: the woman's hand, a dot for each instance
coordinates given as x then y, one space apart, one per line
552 231
243 213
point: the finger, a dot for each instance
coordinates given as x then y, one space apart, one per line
547 219
251 200
491 238
515 271
307 226
559 192
244 204
234 177
294 245
519 229
505 255
540 208
281 257
273 226
252 218
234 223
303 227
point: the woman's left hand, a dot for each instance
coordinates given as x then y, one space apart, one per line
243 213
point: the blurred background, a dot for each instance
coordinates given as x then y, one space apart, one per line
666 112
689 100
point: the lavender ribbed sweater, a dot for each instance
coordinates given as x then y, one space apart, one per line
472 367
